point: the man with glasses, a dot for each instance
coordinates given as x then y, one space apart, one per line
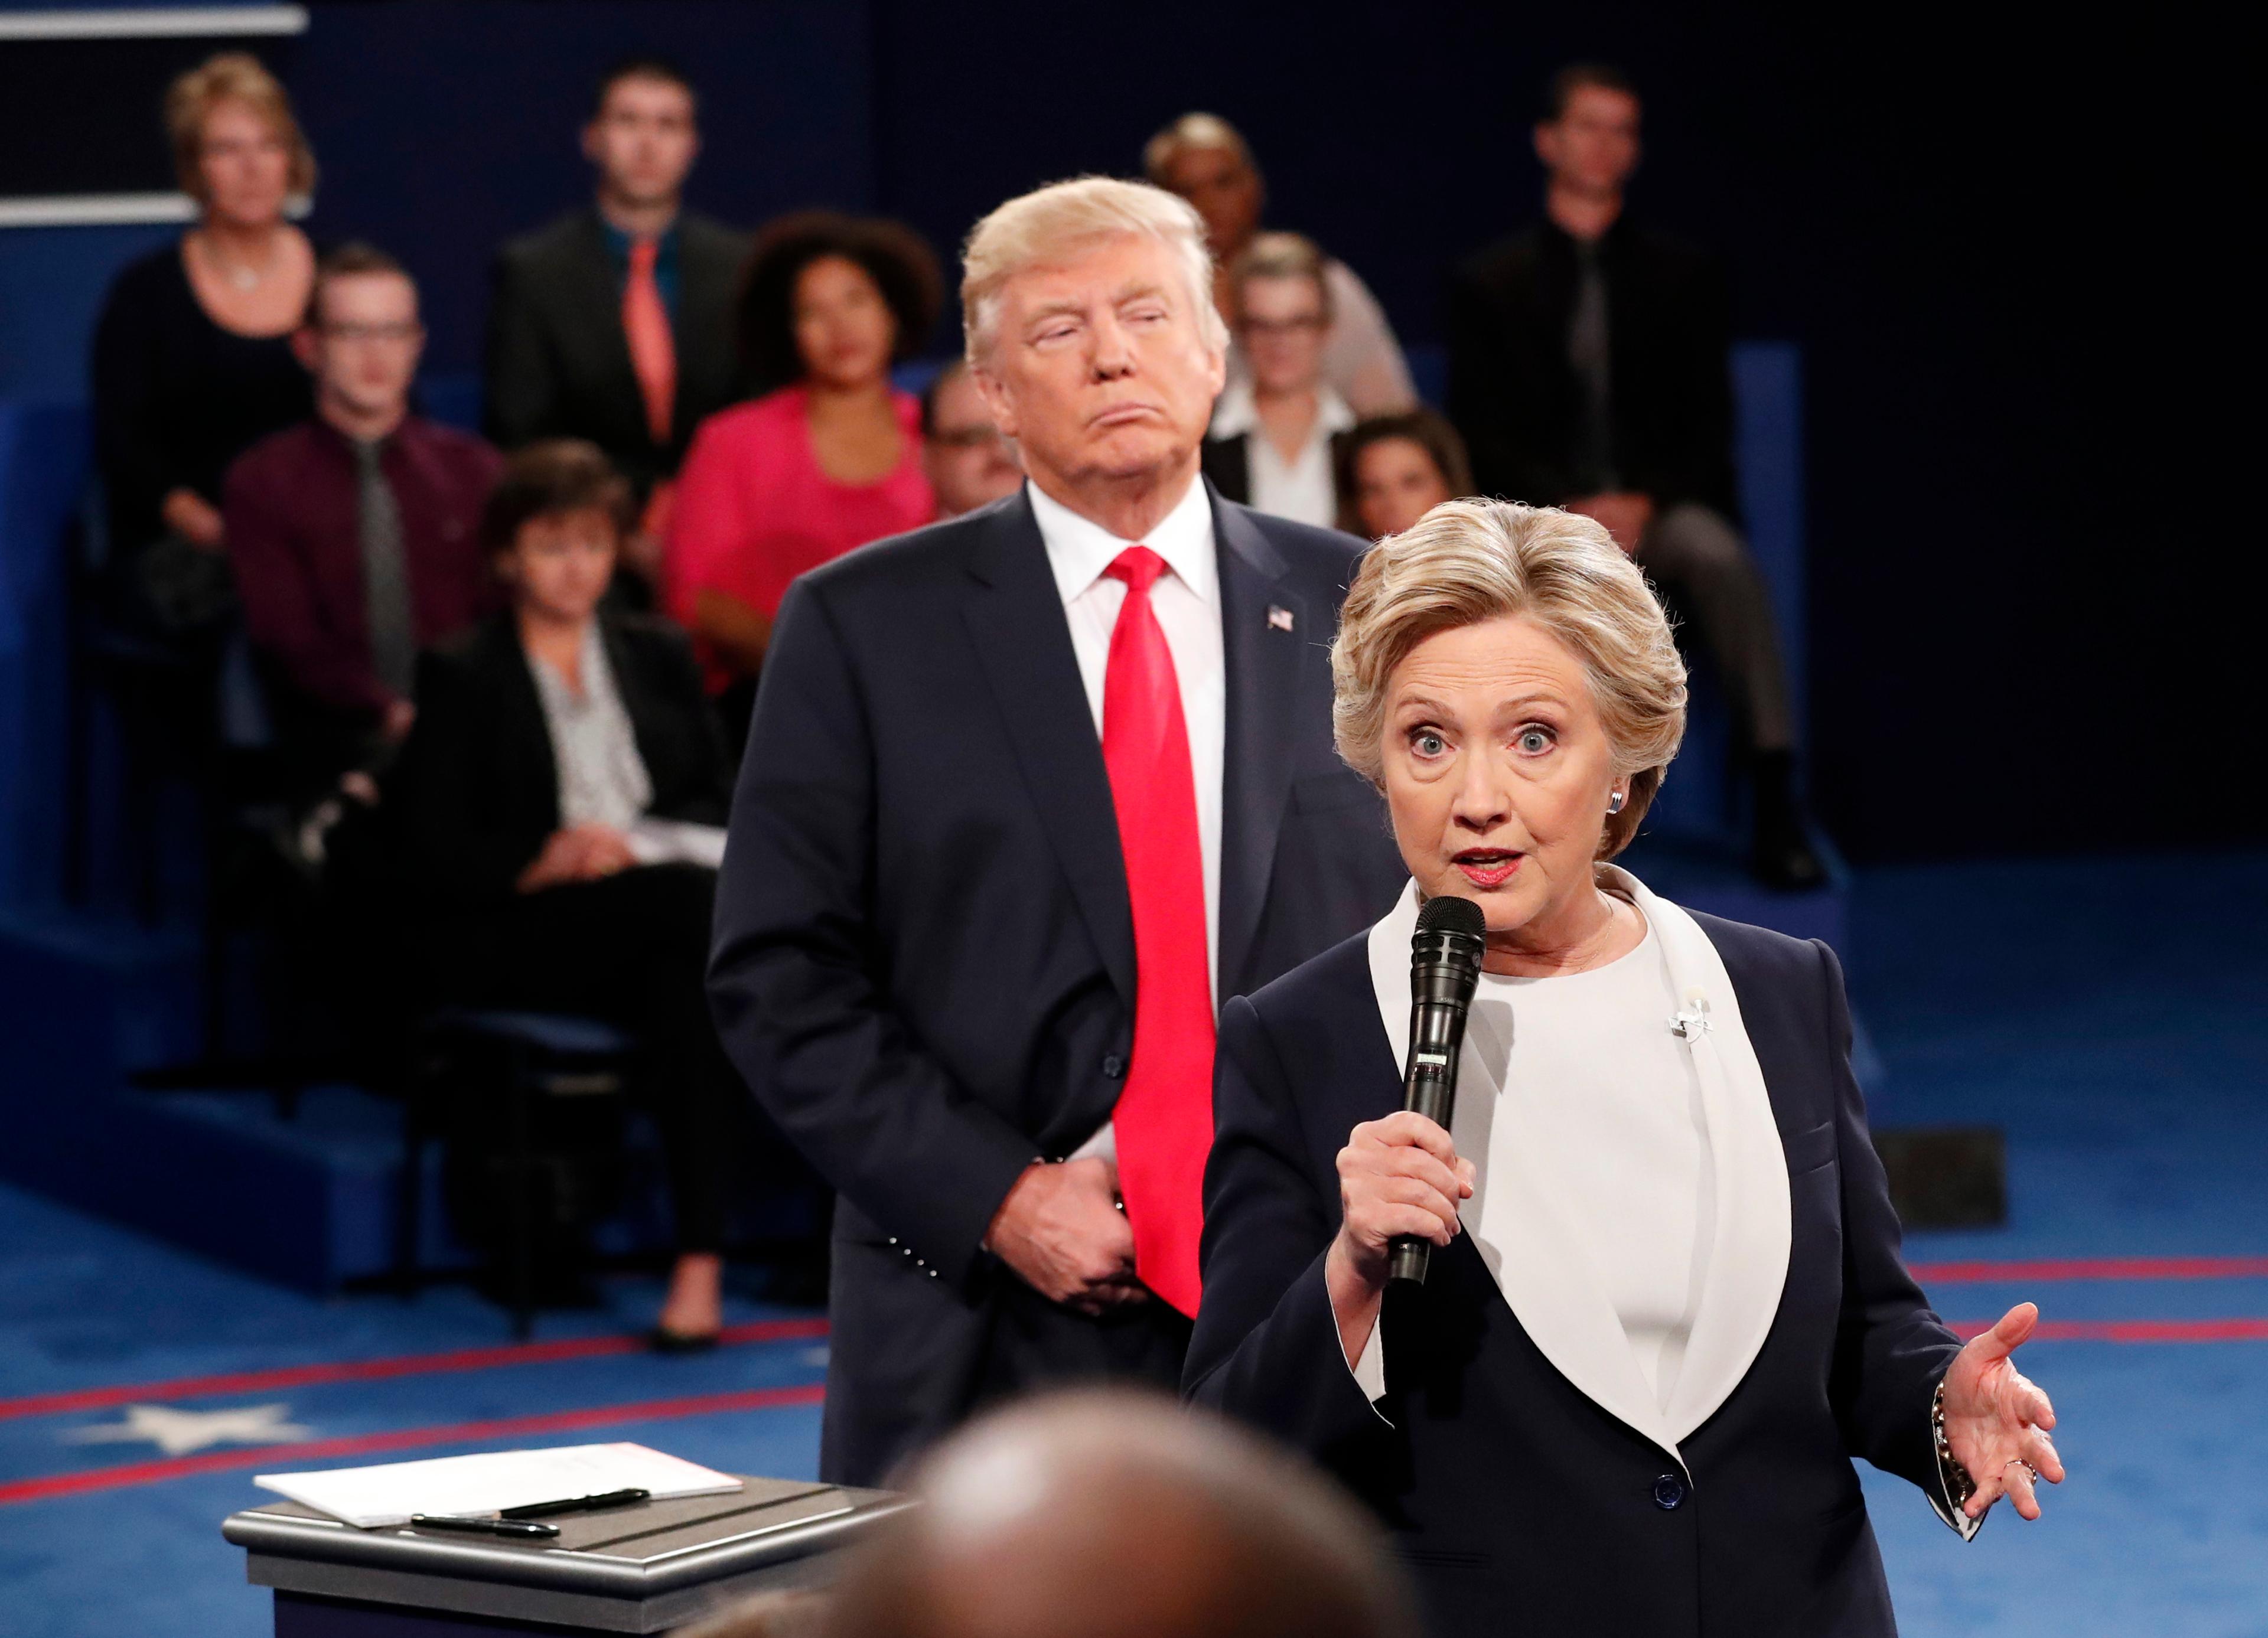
969 464
355 535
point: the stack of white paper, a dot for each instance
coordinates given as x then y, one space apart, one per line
389 1494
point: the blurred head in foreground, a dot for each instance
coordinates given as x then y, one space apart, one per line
1115 1515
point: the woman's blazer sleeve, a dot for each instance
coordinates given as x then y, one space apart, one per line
1891 1350
1266 1349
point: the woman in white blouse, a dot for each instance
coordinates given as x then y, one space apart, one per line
1668 1307
560 803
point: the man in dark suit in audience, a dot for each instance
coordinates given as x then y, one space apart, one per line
1027 793
614 323
1588 369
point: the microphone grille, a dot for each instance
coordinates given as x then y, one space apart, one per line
1450 914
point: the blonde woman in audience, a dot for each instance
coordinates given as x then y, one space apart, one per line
193 361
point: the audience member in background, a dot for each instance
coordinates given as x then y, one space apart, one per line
1588 370
969 464
829 458
1394 469
356 535
1276 427
193 359
614 323
1113 1515
1204 158
558 803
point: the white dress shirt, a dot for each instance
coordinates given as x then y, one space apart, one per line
1187 602
602 778
1303 488
1594 1083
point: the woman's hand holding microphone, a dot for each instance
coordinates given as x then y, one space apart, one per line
1398 1176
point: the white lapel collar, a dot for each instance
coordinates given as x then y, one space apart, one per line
1543 1266
1746 1270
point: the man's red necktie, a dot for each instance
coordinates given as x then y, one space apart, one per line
645 327
1164 1119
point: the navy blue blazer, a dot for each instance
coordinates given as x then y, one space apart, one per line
1518 1504
923 957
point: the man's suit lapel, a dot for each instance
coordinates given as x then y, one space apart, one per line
1264 623
598 297
1015 618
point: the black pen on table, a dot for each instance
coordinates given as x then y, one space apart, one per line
519 1523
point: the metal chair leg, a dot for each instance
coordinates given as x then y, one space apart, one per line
523 1229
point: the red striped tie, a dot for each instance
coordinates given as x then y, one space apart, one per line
1164 1119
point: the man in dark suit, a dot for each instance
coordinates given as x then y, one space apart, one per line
1587 370
614 323
1027 793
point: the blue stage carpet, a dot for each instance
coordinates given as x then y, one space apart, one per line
2105 1012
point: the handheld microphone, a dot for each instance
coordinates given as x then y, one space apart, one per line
1445 967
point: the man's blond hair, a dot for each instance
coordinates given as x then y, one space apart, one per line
1052 224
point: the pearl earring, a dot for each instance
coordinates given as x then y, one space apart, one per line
1615 804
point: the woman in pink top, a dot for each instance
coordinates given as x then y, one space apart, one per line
828 460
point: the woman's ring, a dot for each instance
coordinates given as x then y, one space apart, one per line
2018 1461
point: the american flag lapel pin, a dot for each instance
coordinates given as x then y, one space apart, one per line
1279 618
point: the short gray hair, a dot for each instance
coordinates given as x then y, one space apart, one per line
1062 218
1466 561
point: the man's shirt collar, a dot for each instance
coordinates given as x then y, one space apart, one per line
1080 549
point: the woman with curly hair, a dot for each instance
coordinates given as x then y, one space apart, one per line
829 457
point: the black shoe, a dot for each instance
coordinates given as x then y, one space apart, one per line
1782 856
662 1340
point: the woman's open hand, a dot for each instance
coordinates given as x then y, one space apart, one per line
1997 1422
1398 1176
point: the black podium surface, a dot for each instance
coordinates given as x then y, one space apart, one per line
643 1568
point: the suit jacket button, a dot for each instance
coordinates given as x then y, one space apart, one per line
1669 1493
1114 1066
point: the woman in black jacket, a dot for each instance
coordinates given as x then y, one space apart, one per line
559 804
1666 1308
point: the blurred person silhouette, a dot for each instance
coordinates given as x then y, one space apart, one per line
1588 369
1394 469
1111 1514
1206 160
615 322
1276 430
557 807
1026 792
969 464
192 361
829 459
355 535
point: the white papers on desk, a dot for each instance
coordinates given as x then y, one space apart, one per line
676 842
372 1497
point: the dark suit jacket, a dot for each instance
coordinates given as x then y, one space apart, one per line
558 365
924 956
1228 464
476 792
1513 1496
1513 394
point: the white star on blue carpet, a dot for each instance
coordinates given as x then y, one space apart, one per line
178 1432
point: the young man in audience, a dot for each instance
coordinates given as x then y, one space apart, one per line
969 464
614 323
1587 369
355 535
1205 159
1276 430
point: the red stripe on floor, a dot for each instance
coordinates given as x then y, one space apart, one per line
297 1456
2132 1330
372 1369
2094 1268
